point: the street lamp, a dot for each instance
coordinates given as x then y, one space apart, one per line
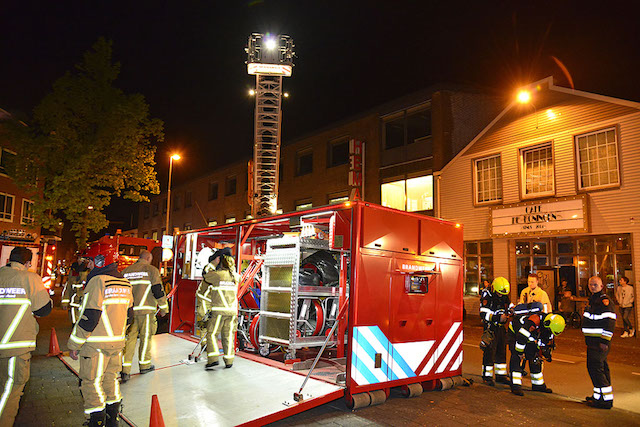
171 159
524 97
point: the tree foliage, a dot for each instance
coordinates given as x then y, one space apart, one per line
87 142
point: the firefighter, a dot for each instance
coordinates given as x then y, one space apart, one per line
598 322
74 289
494 307
20 291
218 293
531 338
99 336
148 296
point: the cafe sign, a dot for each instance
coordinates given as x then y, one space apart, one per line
543 217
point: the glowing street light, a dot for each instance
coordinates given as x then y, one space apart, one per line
173 157
252 92
524 96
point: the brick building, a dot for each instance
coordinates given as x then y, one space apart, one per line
406 141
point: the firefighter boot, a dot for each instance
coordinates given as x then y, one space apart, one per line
503 379
124 377
98 419
541 388
488 381
517 390
147 370
599 404
113 411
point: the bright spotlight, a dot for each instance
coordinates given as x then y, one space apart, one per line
270 43
252 92
286 94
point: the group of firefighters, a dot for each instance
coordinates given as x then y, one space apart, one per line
529 329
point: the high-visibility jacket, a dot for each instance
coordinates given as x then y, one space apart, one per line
537 295
598 320
73 291
492 306
104 312
21 294
218 292
148 293
529 329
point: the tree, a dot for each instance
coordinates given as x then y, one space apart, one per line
87 142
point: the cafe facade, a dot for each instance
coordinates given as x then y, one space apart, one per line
551 187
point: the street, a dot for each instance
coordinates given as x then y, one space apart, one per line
52 395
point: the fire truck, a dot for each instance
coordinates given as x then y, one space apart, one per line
129 248
342 301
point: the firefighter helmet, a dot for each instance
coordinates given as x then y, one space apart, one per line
501 285
555 322
102 254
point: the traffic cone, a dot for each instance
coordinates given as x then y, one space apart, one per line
155 420
54 348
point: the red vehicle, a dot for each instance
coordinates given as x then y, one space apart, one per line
129 248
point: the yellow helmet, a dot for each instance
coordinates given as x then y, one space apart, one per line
555 322
501 285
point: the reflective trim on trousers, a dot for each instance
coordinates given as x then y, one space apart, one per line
9 384
516 378
145 344
537 379
97 384
487 371
500 368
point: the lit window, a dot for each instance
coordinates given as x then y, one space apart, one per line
537 165
336 200
303 204
212 222
230 219
597 154
414 194
6 207
187 226
488 176
27 212
154 234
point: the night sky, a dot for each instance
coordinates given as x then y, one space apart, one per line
187 57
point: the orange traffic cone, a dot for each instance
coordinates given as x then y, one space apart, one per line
54 348
156 414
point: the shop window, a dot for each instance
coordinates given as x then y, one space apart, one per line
414 194
488 175
303 204
304 162
530 254
597 159
478 258
537 171
6 207
338 153
27 212
230 186
213 190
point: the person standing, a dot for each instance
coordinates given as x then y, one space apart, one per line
20 291
533 293
598 322
73 290
494 305
625 298
148 296
218 293
99 336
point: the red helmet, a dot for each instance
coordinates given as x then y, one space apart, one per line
102 254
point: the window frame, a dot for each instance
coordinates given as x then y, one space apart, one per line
523 175
331 145
228 180
3 171
403 116
405 178
303 153
13 205
22 216
212 184
302 204
576 152
474 171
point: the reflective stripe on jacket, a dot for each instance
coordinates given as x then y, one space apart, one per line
21 293
111 297
598 320
218 292
143 277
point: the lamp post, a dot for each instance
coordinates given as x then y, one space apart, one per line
171 159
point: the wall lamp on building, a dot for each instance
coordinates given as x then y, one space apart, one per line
524 97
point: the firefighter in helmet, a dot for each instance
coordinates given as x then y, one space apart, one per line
23 297
494 311
531 337
99 335
148 296
74 289
218 296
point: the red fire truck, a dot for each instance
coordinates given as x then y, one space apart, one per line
129 248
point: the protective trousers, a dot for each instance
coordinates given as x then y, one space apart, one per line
535 364
226 326
14 374
599 372
143 327
494 358
74 314
99 371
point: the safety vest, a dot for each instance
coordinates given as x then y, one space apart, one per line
111 297
218 292
21 293
148 294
